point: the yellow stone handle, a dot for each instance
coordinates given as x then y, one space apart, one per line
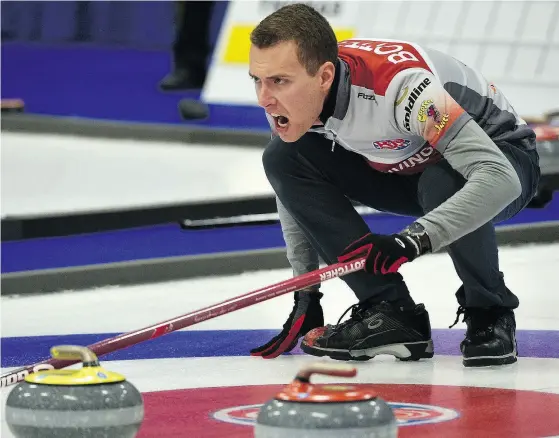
339 370
75 352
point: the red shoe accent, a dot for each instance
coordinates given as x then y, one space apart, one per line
313 335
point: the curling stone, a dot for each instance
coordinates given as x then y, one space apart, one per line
306 410
89 402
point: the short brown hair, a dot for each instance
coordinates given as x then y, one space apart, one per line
311 32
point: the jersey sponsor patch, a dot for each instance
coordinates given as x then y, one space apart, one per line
416 92
422 113
402 96
396 144
429 110
439 117
434 113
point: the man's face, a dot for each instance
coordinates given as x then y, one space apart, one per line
286 91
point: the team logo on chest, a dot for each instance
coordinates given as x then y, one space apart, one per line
396 144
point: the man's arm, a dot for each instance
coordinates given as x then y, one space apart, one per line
300 253
307 311
491 181
492 184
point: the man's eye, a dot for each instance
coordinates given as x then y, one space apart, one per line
279 81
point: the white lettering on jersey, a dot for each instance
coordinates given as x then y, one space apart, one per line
421 157
396 52
361 46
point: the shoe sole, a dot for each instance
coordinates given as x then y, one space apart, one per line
487 361
411 351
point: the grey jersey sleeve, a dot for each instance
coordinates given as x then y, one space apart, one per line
300 253
492 184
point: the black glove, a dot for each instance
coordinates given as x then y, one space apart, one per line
385 254
305 316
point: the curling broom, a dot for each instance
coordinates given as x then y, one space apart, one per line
154 331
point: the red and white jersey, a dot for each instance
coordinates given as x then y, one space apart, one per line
404 107
399 105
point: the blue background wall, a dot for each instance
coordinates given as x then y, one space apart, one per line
100 60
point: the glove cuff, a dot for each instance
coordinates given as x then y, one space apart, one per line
310 294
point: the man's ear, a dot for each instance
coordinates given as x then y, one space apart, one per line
327 72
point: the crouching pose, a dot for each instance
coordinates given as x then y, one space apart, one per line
405 130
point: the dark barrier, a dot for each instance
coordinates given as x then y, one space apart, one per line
167 253
80 223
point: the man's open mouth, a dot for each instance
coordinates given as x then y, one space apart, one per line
281 121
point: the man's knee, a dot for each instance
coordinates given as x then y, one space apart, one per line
286 163
277 159
437 184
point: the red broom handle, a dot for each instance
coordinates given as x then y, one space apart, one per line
154 331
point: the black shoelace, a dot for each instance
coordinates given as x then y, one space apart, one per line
480 321
356 311
461 311
359 310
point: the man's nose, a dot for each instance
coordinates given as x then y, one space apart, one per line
265 97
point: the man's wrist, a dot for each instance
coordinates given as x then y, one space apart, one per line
417 235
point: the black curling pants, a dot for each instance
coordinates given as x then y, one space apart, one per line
316 186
